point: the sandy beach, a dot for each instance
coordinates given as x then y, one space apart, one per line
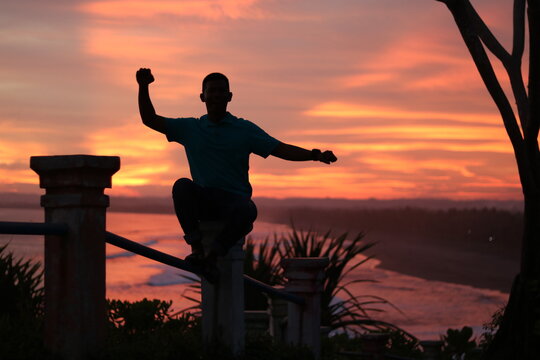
433 261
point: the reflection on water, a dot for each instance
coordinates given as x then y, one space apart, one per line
426 308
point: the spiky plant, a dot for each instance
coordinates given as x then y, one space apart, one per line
21 308
21 282
260 263
340 308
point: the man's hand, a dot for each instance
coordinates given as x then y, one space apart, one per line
144 76
327 157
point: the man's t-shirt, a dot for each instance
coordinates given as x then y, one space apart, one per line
218 153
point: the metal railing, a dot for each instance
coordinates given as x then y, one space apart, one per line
170 260
32 228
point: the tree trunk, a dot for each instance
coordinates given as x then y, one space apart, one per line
519 334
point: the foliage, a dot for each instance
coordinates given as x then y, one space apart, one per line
340 309
263 347
491 327
21 308
261 263
343 346
146 329
401 344
140 316
21 284
459 344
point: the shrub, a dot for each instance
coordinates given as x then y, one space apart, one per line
21 308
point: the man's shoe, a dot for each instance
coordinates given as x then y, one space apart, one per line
210 272
196 256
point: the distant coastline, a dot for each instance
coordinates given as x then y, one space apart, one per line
163 205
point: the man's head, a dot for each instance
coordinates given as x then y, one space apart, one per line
215 77
216 93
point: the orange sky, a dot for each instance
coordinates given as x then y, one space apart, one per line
386 84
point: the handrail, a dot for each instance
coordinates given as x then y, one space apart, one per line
270 290
170 260
32 228
148 252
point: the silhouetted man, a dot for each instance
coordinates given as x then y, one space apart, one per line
217 146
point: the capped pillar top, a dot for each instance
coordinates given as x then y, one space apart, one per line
308 264
305 275
87 171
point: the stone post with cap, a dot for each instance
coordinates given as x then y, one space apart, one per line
75 308
305 277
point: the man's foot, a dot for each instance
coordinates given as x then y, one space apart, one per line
210 272
197 251
197 255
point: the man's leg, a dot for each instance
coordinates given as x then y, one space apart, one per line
237 212
187 198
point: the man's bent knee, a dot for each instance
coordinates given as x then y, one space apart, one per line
181 186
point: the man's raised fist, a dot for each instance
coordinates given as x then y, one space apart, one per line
144 76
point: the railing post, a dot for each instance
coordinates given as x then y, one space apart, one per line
305 278
223 303
75 309
278 317
257 322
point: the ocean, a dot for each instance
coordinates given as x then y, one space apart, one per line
422 307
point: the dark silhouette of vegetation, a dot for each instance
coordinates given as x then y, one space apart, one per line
21 308
149 329
487 230
340 309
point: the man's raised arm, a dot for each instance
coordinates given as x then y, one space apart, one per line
146 109
295 153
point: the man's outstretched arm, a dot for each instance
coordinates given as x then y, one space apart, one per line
146 109
295 153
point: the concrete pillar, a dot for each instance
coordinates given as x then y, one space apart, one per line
432 349
278 308
223 302
75 308
305 277
257 322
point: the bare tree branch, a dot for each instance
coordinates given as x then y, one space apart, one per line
514 67
462 14
486 35
512 63
519 30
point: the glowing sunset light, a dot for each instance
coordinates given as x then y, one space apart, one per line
418 132
389 87
395 163
210 9
136 140
337 109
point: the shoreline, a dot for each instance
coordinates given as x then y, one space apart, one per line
419 258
